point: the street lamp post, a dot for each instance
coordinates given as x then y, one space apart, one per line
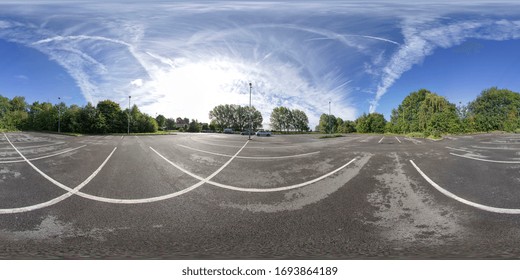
128 130
330 127
250 111
59 115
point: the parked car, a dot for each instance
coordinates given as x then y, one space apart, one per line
263 133
247 132
228 130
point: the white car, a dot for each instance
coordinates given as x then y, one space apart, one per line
263 133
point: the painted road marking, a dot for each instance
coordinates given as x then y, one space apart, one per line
381 140
486 160
255 189
398 139
244 157
57 199
465 201
47 156
76 191
122 137
162 197
494 148
415 141
501 143
230 146
37 146
367 139
461 150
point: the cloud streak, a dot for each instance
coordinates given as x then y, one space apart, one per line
421 38
184 58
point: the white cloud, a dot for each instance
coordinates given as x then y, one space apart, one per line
182 59
4 24
137 82
422 37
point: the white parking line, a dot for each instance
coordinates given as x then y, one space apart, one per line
494 148
122 137
76 191
415 141
256 189
57 199
162 197
381 140
461 150
486 160
47 156
501 143
37 146
464 201
243 157
230 146
398 139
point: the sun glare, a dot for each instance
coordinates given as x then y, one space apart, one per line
194 88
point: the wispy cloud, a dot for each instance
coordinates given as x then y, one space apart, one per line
423 36
22 77
184 58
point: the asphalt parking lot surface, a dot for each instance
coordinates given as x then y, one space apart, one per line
215 196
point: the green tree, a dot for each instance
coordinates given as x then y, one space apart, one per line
194 126
170 124
112 114
256 118
91 120
281 119
347 127
327 123
161 121
223 116
235 116
70 119
495 109
300 121
425 112
43 116
371 123
18 104
13 113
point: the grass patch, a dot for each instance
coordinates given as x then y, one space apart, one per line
433 137
71 134
330 136
415 135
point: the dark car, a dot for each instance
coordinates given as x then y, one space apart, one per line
263 133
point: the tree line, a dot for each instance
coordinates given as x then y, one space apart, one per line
105 117
421 111
235 117
238 117
429 114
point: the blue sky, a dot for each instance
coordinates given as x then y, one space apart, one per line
183 58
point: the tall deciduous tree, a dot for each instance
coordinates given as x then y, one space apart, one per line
327 123
113 116
371 123
425 112
300 121
235 116
496 109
